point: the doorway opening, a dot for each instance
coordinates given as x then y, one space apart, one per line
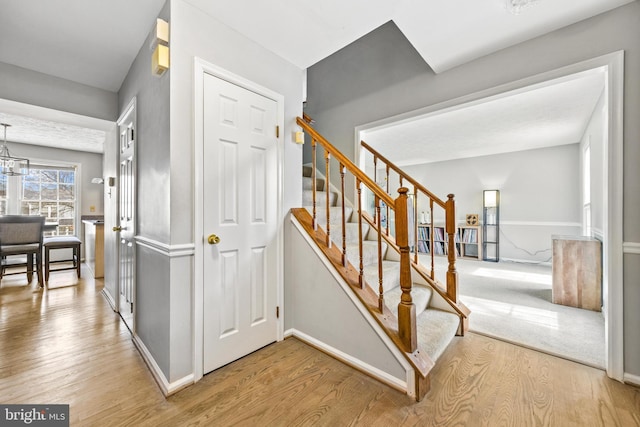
605 203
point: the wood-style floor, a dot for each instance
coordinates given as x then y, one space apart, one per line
65 345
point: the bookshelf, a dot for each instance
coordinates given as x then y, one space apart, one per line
468 241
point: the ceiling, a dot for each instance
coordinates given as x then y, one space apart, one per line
550 114
94 42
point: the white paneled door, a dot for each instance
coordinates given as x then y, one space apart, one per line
126 217
240 174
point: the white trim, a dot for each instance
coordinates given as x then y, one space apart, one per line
525 261
167 388
632 379
540 223
631 248
367 316
613 278
131 109
107 295
202 67
352 361
172 251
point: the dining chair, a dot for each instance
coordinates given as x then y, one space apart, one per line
20 236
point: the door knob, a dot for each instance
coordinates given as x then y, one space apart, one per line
117 228
213 239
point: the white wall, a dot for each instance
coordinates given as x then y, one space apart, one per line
596 137
539 195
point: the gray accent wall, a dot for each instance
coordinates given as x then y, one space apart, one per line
152 300
34 88
381 75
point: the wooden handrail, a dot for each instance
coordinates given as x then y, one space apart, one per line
403 175
450 220
407 324
351 167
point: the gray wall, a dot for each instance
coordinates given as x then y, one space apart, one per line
538 190
381 75
30 87
152 301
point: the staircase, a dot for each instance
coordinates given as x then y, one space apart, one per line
435 327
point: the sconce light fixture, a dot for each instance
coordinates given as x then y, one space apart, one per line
298 137
160 47
97 181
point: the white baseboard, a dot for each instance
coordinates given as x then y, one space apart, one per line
109 299
526 261
167 388
632 379
358 364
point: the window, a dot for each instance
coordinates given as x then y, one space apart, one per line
47 190
586 189
3 194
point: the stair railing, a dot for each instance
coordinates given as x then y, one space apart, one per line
449 208
407 329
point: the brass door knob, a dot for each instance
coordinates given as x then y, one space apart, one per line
117 228
213 239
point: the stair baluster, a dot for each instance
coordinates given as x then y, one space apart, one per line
313 182
344 221
327 159
379 232
361 274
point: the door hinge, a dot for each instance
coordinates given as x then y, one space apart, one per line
277 131
277 312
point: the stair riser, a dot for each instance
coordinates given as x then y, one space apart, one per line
321 198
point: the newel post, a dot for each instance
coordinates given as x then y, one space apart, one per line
406 309
452 274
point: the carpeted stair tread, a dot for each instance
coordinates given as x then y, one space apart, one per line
334 211
321 198
436 328
421 296
390 275
307 183
369 253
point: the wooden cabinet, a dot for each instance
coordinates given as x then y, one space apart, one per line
577 272
94 247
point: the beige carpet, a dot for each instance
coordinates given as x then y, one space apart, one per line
512 302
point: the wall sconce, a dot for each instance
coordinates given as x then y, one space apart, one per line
160 47
298 137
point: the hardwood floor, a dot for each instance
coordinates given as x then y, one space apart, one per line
65 345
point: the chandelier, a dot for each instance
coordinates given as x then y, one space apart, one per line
516 6
10 165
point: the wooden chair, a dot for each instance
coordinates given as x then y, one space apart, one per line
61 242
21 235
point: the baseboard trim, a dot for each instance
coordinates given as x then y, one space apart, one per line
171 251
541 223
167 388
632 379
349 360
109 299
526 261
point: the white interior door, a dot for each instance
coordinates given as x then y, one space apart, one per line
126 218
240 171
